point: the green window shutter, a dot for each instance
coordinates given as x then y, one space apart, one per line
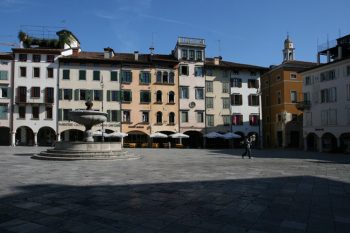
108 95
60 93
66 74
96 75
70 94
76 94
140 77
118 95
114 76
130 96
130 76
82 74
89 95
118 115
60 114
109 115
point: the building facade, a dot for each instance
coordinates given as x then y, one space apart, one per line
327 99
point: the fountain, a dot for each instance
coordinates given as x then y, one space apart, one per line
87 149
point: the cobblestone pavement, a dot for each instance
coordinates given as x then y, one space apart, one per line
176 190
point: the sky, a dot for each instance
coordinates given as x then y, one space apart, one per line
242 31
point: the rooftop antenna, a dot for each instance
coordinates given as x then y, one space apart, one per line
339 31
219 47
151 49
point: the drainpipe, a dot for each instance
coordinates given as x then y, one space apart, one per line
12 105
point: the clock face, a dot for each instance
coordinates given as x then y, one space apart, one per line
192 105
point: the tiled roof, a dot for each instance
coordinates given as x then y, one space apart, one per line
294 65
6 56
232 65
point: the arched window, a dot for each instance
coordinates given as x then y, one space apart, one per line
165 77
171 118
159 117
159 77
159 96
171 77
171 97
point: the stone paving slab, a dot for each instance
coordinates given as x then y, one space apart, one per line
176 190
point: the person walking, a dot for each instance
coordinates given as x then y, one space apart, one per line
247 145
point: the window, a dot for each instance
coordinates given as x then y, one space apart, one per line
35 112
183 92
67 94
236 99
114 76
36 58
3 111
126 96
209 102
159 77
82 74
96 75
234 72
82 94
252 73
328 75
165 77
307 80
171 118
23 71
145 96
184 116
198 71
50 58
235 82
145 117
4 92
35 92
279 98
126 76
171 99
113 115
200 116
199 55
22 112
210 120
126 115
237 119
113 95
22 94
293 97
171 77
253 119
49 72
226 119
65 114
66 74
225 103
22 57
253 83
329 95
159 96
209 86
3 75
191 54
184 70
49 95
159 117
199 92
348 92
145 77
98 95
225 87
36 72
184 54
308 117
293 76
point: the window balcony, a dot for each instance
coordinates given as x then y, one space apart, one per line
303 105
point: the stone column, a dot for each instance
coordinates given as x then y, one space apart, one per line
35 139
319 144
58 136
13 138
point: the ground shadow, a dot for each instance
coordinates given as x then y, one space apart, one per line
288 204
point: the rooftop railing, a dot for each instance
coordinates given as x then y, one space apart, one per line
190 41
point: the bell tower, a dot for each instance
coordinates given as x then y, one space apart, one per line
288 51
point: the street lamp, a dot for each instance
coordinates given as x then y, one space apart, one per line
102 86
258 92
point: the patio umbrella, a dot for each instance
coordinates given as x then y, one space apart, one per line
116 135
98 133
230 135
179 135
213 135
158 135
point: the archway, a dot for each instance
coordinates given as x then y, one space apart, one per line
194 141
24 136
345 142
237 141
164 142
46 136
5 136
72 135
311 142
137 137
329 142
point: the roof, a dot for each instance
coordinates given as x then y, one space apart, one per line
120 58
209 62
324 64
38 50
293 65
6 56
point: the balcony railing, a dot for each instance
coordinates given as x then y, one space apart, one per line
303 105
190 41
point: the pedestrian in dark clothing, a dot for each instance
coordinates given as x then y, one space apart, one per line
247 145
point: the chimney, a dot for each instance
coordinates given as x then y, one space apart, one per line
108 52
75 51
217 60
136 53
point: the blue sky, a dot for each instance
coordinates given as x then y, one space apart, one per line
243 31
